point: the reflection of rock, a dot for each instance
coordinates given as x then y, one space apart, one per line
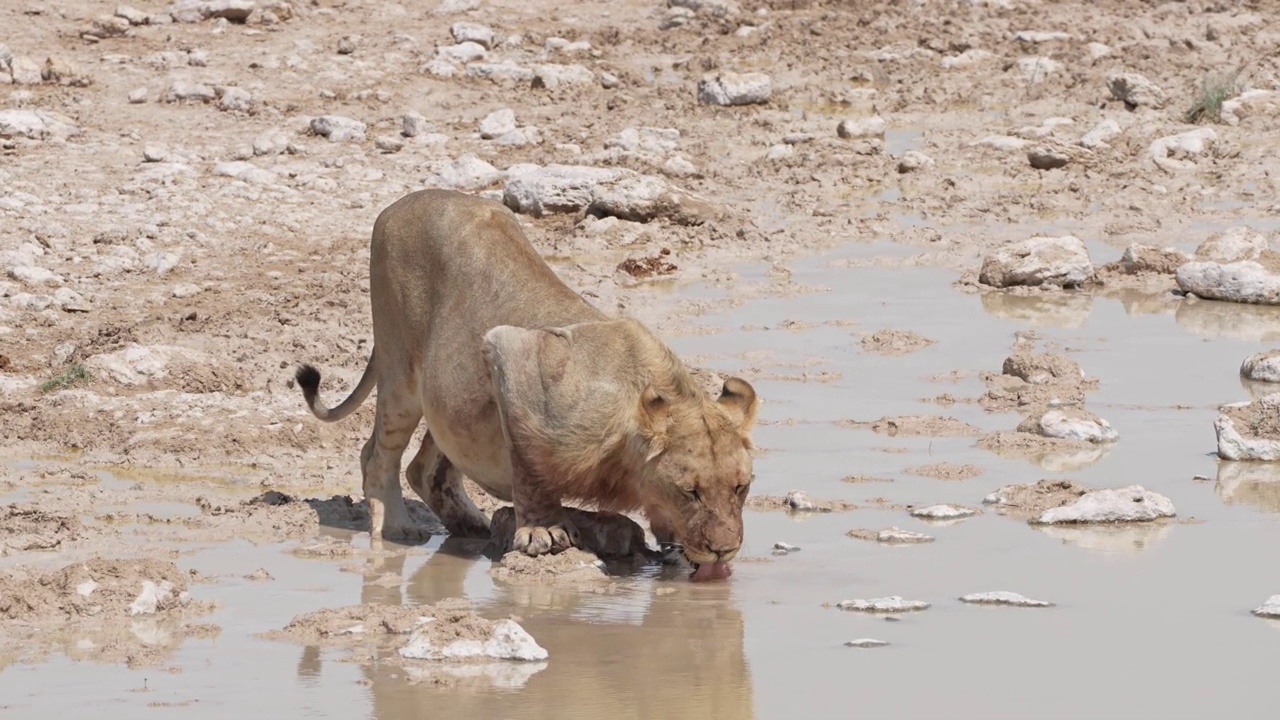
1214 319
1050 454
1147 300
1249 430
1250 483
1057 310
1131 504
1128 538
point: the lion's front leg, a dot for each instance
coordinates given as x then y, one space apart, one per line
542 524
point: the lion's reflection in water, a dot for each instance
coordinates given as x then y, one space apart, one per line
656 649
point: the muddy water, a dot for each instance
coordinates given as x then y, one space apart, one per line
1150 621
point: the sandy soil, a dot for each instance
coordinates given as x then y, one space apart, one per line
177 230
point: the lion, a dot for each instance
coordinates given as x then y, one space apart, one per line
608 535
533 393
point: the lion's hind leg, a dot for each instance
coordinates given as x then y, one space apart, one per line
397 417
439 483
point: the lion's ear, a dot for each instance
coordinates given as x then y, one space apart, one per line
740 400
654 411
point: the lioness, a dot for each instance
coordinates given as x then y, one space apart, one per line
532 393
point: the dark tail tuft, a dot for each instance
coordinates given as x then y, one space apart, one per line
309 380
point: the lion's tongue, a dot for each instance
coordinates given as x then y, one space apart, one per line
711 571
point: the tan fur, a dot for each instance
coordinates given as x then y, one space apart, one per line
532 393
608 535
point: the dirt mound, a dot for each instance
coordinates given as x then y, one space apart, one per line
572 568
276 515
797 501
1030 500
946 471
24 527
894 342
356 624
919 425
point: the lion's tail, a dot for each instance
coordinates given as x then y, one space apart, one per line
308 378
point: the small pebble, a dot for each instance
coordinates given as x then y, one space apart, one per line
943 512
866 643
1001 597
893 603
1269 609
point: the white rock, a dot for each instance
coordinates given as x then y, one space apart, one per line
70 300
1060 261
468 172
509 641
1097 50
151 597
866 643
799 500
505 70
1235 243
858 128
1127 504
785 547
154 153
1007 143
244 171
552 76
440 68
914 161
1270 608
463 52
481 35
609 81
1136 90
1101 134
272 142
1047 158
338 128
1003 597
86 588
519 137
1250 103
555 188
892 604
1169 152
656 141
679 166
1041 36
137 96
561 45
36 125
735 88
779 152
1245 281
453 7
30 302
191 11
182 90
968 58
943 512
498 122
235 99
1068 426
136 364
185 290
1037 69
389 143
1235 445
896 535
133 15
1262 367
25 71
414 125
717 8
34 275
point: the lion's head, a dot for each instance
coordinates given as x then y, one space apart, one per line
699 467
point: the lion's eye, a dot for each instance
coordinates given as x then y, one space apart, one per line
693 494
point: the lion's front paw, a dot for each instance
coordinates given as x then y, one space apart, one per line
537 541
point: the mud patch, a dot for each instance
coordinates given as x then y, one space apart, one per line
24 528
1055 454
797 502
571 569
274 515
918 425
1029 500
946 471
894 342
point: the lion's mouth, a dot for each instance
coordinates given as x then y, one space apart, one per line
672 553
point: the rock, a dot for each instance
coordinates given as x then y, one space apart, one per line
453 7
1030 500
1133 503
779 152
191 11
506 641
107 26
1270 608
235 99
338 128
183 291
136 364
25 71
137 96
1235 243
36 125
154 153
1246 281
656 141
1149 259
1097 50
1101 134
728 89
461 53
388 143
61 71
609 81
272 142
799 500
414 125
644 198
1002 597
716 8
891 604
865 643
943 512
1071 424
468 172
1038 261
34 275
1250 103
519 137
1044 157
245 171
552 76
968 58
914 161
505 70
1006 143
896 535
784 548
555 188
1037 69
181 90
132 15
612 192
859 128
1136 91
481 35
498 122
1262 367
347 44
1261 418
1040 36
1176 152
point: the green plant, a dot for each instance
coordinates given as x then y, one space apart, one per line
71 375
1215 89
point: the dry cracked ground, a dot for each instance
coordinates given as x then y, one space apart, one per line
187 192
